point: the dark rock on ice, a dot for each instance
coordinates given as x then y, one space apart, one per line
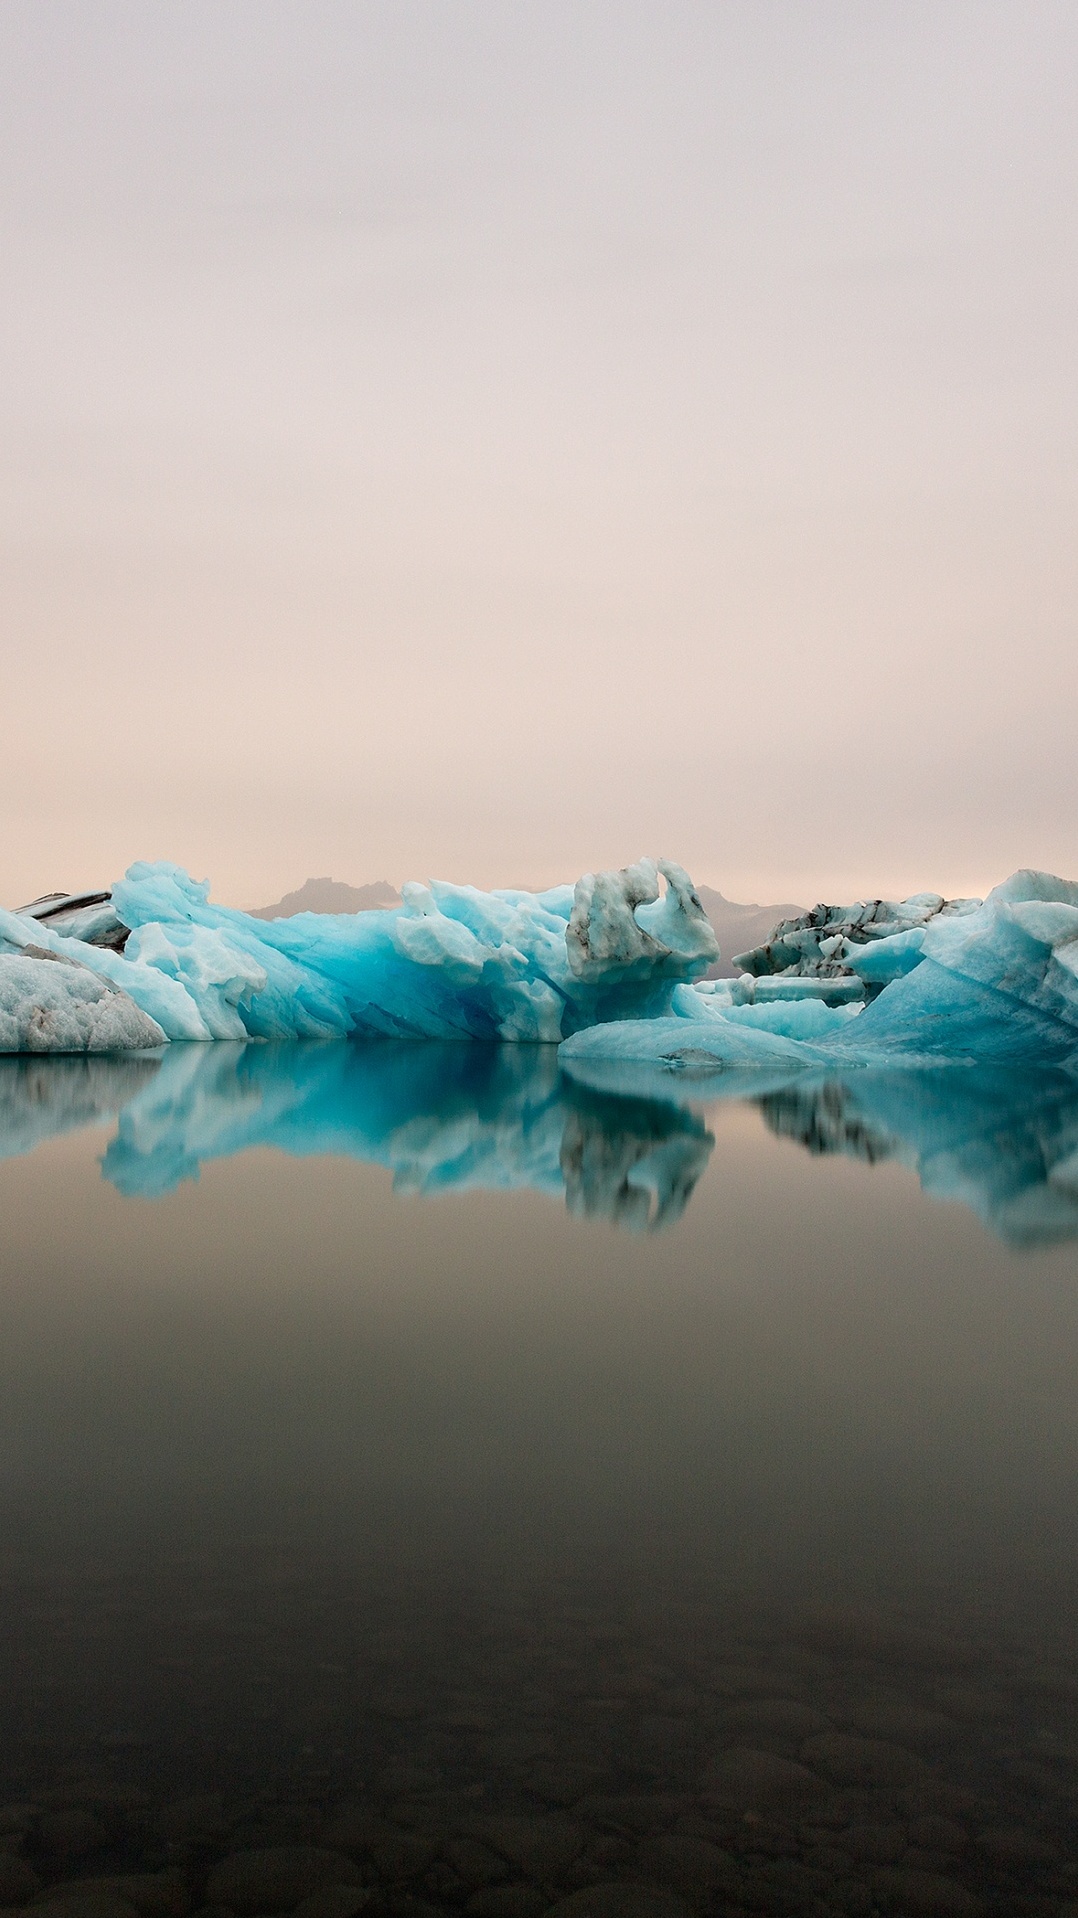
89 916
818 944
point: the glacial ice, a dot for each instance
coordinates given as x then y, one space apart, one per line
51 1003
89 916
831 940
610 969
996 981
450 962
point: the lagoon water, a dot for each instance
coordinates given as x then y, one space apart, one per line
493 1492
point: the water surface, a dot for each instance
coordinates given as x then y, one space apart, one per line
396 1441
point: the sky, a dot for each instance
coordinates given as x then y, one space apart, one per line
492 441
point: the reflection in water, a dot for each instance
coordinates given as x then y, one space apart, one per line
634 1161
444 1117
500 1118
42 1096
438 1116
1003 1143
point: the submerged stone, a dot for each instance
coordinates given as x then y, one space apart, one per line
621 1901
277 1877
746 1779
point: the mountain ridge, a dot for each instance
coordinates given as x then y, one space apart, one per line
737 927
332 896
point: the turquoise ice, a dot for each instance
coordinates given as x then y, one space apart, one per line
996 982
451 963
611 969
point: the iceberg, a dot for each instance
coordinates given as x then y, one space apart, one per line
451 962
611 969
993 981
828 941
89 916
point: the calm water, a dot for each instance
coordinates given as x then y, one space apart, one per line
513 1490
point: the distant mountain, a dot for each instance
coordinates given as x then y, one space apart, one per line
329 895
739 927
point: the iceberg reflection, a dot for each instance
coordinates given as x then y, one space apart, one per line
628 1147
45 1094
1002 1142
440 1117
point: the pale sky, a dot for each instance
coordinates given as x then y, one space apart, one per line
490 441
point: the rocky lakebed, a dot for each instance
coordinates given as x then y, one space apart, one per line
540 1756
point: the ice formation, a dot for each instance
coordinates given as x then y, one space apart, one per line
610 969
451 962
49 1002
827 942
995 982
88 916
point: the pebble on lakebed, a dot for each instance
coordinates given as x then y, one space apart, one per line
574 1768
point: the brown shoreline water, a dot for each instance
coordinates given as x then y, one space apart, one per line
470 1556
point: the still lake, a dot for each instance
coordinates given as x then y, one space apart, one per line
495 1491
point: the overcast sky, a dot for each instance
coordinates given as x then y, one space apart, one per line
495 440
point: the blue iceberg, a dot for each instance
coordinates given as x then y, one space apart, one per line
611 969
450 963
995 982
